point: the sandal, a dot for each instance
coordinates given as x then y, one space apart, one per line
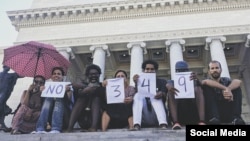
176 126
15 132
137 127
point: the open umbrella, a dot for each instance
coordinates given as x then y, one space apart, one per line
34 58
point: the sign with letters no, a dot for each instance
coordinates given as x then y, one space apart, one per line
115 90
54 89
185 86
146 84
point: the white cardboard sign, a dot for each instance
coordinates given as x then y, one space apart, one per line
146 84
54 89
115 90
185 86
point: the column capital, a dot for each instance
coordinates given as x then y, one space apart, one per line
67 52
104 47
140 44
247 44
209 40
169 42
70 52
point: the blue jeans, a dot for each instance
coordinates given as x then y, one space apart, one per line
56 105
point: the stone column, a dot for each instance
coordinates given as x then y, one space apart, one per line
216 45
66 52
247 44
175 47
99 52
136 50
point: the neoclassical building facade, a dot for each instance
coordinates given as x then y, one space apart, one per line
121 34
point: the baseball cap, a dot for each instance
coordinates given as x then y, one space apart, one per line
181 65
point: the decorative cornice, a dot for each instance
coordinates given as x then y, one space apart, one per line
184 34
118 10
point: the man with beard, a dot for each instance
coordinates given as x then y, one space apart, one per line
87 106
223 97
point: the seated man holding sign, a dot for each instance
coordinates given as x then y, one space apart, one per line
54 93
118 104
185 98
149 102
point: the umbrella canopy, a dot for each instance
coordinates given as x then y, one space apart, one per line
34 58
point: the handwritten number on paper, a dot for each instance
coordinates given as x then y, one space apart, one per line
117 92
144 84
184 85
182 82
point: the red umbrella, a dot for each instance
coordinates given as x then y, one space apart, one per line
34 58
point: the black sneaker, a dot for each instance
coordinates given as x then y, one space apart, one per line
214 121
163 126
238 121
5 128
7 110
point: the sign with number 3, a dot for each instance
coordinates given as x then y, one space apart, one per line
115 90
185 86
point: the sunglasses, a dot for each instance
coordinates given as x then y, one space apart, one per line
149 68
38 82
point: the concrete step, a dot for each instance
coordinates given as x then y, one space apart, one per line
145 134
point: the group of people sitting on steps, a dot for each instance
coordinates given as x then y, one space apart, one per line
86 104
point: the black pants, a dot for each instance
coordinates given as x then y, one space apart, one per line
217 106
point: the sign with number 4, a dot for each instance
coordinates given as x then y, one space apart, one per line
146 84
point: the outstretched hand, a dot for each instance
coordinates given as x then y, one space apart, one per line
104 83
159 95
193 76
128 100
31 87
171 89
135 78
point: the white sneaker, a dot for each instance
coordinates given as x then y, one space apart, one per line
41 132
54 131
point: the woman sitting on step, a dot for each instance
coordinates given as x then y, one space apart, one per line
119 115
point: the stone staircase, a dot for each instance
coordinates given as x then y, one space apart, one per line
145 134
